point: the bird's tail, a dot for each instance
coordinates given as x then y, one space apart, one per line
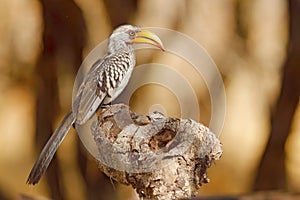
49 149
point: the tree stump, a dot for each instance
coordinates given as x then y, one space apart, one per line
162 158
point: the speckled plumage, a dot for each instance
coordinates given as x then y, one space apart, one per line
105 81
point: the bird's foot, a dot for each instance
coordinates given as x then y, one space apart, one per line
105 106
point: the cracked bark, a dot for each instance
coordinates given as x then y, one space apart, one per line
162 158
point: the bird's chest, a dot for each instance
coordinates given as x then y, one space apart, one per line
123 81
115 77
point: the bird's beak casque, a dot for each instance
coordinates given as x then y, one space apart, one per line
148 37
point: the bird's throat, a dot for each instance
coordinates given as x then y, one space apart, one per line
115 46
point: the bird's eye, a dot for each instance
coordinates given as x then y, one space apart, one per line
131 33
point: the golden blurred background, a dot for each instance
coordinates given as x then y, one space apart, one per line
253 43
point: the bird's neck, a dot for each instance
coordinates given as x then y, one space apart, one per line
117 46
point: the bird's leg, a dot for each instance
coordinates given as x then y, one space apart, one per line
105 106
107 98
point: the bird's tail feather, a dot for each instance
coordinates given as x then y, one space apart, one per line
49 149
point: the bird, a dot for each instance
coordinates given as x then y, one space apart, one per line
104 82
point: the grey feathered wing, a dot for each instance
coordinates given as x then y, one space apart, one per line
90 95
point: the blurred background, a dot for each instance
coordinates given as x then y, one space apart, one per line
255 45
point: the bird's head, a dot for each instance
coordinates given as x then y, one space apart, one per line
126 35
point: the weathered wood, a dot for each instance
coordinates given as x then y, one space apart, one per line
162 158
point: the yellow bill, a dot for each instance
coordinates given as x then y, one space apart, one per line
147 37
